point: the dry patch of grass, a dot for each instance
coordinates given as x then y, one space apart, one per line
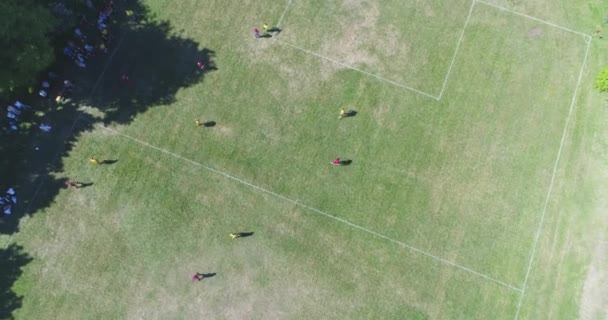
594 298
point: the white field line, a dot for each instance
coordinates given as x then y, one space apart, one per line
447 76
283 15
57 153
532 18
473 3
559 154
359 70
315 210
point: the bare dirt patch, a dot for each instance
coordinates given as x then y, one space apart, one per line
224 131
383 117
536 32
354 30
594 298
363 42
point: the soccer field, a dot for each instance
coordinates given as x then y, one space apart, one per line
463 200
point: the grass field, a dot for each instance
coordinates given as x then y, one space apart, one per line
474 191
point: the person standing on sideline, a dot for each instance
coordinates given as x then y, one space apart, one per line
20 105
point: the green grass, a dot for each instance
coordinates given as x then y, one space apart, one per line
464 178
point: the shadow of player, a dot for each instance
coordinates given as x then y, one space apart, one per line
350 113
276 30
108 162
345 162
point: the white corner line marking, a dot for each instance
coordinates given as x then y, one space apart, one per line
315 210
532 18
359 70
551 183
447 76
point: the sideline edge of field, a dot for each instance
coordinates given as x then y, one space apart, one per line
551 183
57 152
454 56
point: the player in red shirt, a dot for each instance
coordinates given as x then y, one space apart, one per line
72 184
198 277
336 162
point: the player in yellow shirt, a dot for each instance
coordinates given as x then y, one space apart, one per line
265 27
342 113
94 161
240 234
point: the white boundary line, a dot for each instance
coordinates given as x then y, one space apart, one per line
315 210
447 76
438 98
532 18
559 154
283 15
359 70
43 181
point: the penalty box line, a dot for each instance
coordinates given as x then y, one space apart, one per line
349 66
445 80
359 70
315 210
447 76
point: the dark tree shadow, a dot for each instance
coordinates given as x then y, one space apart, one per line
157 63
12 260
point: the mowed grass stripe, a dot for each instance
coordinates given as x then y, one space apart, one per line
404 133
148 222
503 130
437 175
317 211
551 184
408 43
